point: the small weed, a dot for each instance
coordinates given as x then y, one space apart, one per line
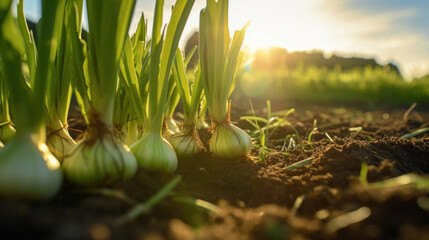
407 180
329 137
415 133
300 163
262 134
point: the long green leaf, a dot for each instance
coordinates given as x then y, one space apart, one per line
50 26
182 82
4 9
12 48
233 61
155 48
30 47
78 51
63 72
197 93
131 82
160 87
219 59
108 23
140 34
190 54
20 94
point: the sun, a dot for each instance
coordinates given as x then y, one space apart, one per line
295 25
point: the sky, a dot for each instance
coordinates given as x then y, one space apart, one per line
389 30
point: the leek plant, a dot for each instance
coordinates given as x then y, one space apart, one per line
125 119
100 158
187 142
141 57
170 124
152 151
219 60
28 170
141 49
59 91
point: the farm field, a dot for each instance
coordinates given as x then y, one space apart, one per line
164 120
250 199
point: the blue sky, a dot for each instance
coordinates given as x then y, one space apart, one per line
390 30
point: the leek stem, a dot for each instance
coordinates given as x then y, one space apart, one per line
103 107
132 132
30 47
4 110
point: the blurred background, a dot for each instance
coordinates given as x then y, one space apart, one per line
320 50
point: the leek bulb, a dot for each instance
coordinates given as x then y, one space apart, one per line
104 161
187 142
100 158
28 170
230 142
154 153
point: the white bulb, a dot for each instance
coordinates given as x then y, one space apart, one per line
154 153
185 145
103 161
28 170
230 142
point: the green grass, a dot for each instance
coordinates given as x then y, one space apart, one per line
368 85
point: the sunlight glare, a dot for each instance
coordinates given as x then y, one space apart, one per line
296 25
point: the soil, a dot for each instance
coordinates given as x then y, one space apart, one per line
255 199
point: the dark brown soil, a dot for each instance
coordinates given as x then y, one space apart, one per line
261 200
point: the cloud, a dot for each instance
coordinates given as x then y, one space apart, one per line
388 33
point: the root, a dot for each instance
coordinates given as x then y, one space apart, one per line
97 129
50 138
189 131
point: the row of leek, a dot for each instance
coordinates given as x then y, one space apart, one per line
214 79
127 90
152 151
